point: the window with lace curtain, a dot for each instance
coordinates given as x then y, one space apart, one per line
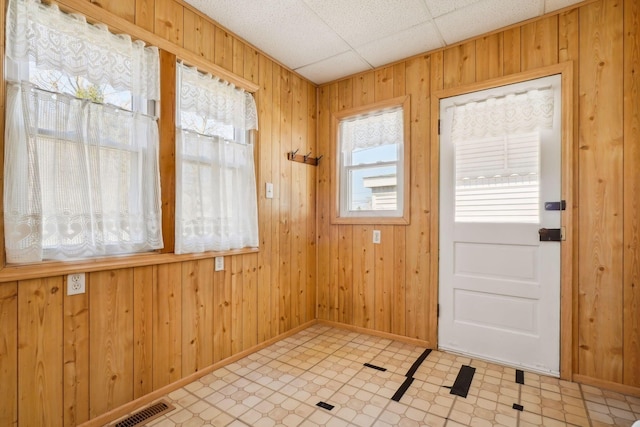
216 199
81 141
372 159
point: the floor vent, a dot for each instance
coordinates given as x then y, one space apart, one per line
145 415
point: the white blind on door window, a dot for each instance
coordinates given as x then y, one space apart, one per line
497 179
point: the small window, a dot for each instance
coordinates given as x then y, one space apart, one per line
372 163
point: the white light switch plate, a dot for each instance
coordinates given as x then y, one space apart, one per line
269 190
219 263
376 236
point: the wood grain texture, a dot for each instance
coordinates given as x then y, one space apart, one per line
145 14
277 156
167 328
511 51
167 152
345 274
200 38
249 301
489 56
197 315
125 10
169 23
222 314
9 353
631 233
110 340
569 50
76 358
237 277
417 234
460 64
223 53
144 279
40 352
539 43
285 226
363 277
601 190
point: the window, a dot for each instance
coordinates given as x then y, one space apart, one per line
497 145
216 199
372 163
81 165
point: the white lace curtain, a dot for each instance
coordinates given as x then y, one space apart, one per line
216 199
81 178
371 131
499 116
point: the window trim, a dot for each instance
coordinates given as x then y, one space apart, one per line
336 167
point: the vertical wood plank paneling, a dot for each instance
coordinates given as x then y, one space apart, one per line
631 233
601 186
223 54
345 274
489 56
298 199
323 191
251 65
383 83
123 9
222 313
568 50
436 74
511 51
417 232
40 352
265 174
146 14
237 277
197 315
237 57
249 301
9 353
110 340
144 279
384 270
169 24
333 236
167 328
363 276
76 359
276 159
284 249
312 176
199 36
460 64
539 43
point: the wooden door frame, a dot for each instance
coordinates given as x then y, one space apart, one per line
568 299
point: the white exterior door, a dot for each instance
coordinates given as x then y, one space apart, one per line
499 290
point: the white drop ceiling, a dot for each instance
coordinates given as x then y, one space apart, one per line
324 40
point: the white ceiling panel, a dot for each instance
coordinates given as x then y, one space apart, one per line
333 68
415 40
359 22
325 40
485 16
439 7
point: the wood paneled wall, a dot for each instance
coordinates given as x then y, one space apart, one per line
392 286
67 359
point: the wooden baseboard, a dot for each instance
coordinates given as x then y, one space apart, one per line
608 385
134 405
401 338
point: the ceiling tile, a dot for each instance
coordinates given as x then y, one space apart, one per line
441 7
285 29
465 23
359 22
333 68
415 40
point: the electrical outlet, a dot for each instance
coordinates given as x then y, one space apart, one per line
75 284
219 263
376 236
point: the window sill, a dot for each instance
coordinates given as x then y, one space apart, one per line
365 220
12 273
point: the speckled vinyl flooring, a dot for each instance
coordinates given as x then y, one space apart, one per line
282 385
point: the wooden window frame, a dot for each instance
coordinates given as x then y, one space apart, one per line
403 219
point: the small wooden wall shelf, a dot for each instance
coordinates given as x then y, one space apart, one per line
300 158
